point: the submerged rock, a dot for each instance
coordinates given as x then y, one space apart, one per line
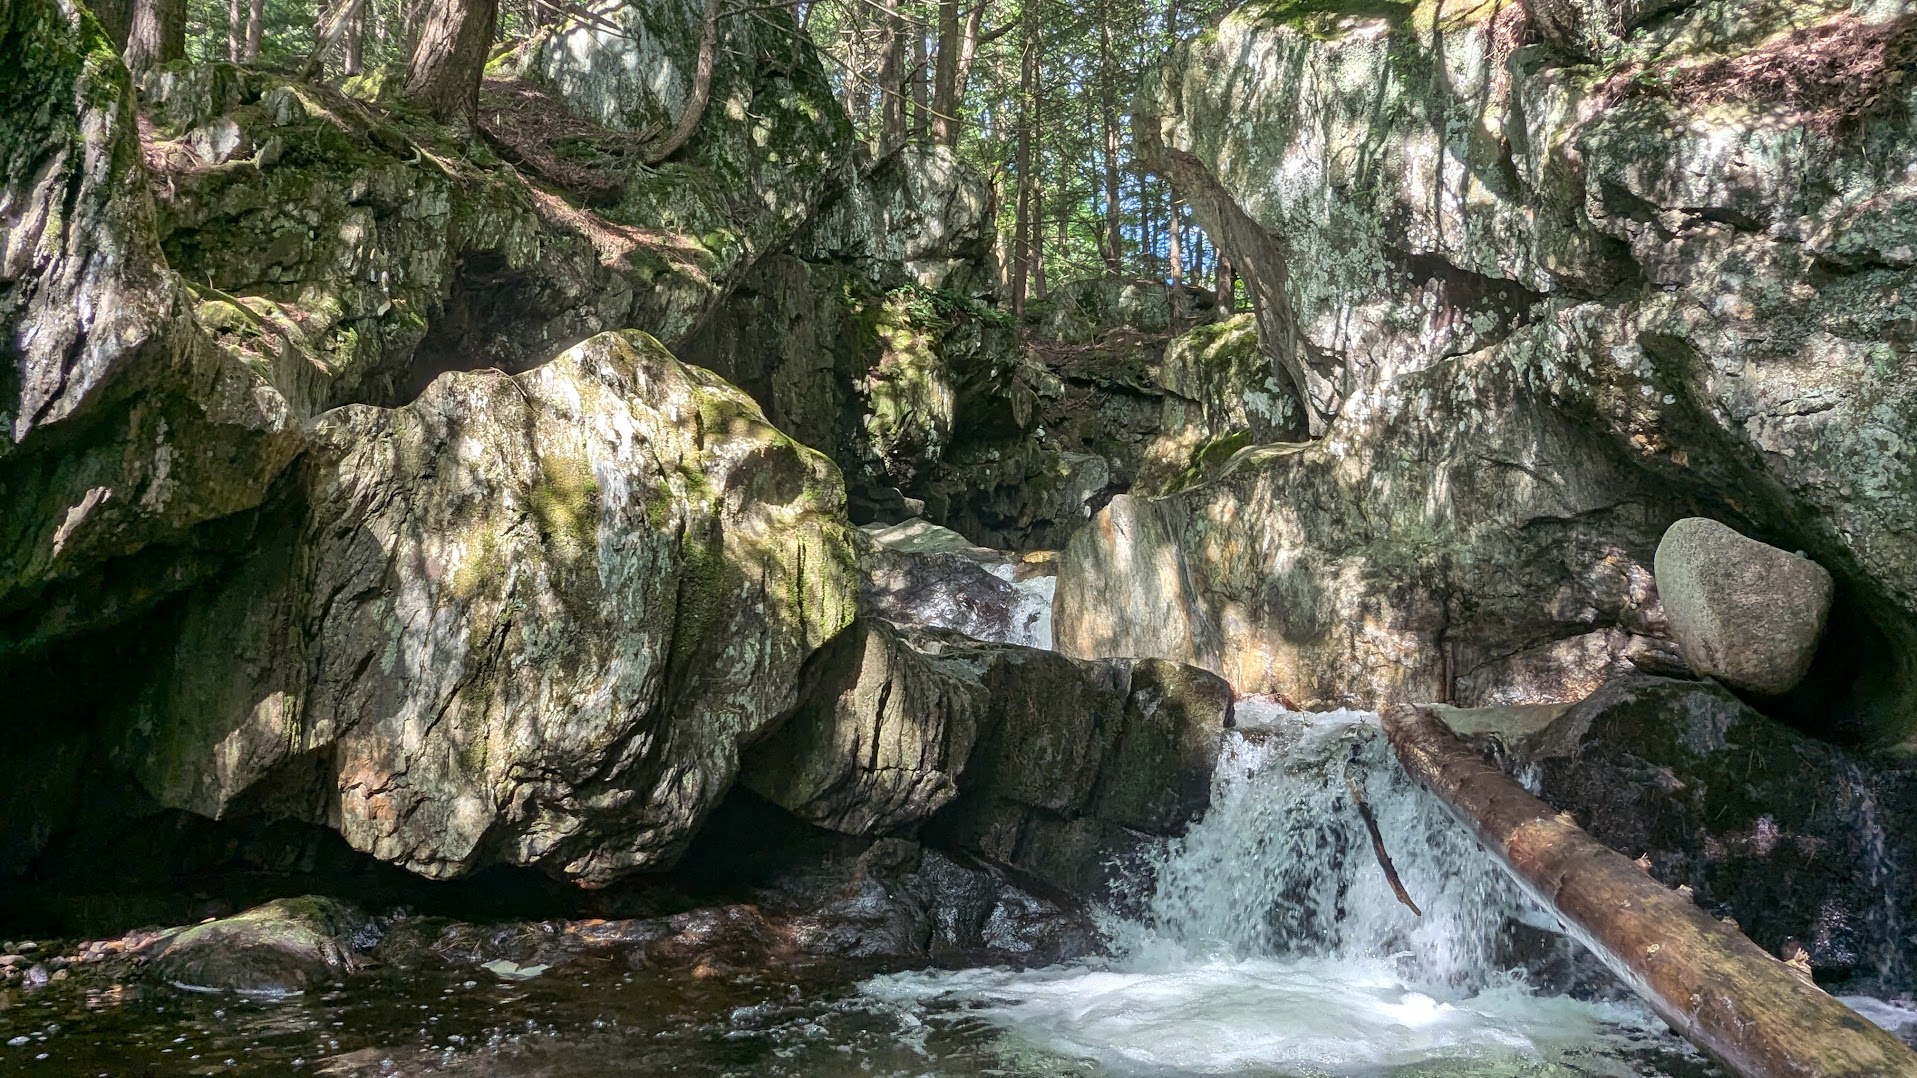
544 613
283 947
1742 611
1796 840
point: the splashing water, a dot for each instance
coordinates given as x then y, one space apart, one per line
1268 941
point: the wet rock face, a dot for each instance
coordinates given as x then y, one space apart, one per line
1557 311
543 615
1747 613
1796 840
921 574
894 901
287 946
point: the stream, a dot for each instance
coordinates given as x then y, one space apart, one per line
1268 943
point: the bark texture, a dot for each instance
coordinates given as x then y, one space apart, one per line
157 35
443 78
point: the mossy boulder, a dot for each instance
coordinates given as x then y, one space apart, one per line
542 616
282 948
1801 843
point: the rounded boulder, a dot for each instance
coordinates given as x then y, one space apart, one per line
1742 611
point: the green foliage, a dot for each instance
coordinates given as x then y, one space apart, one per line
940 308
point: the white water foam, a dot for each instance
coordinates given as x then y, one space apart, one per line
1031 616
1269 941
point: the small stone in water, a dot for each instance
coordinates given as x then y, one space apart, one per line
16 1042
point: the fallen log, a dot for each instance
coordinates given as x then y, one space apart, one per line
1713 986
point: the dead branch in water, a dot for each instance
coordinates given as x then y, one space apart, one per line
1357 792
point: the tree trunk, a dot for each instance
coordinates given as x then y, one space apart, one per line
157 34
1702 976
116 18
343 19
354 62
1226 285
1039 289
945 76
892 94
1108 117
1172 223
1022 219
255 13
235 31
695 110
449 59
921 84
968 55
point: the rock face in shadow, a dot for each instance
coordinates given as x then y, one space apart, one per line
1537 310
1801 843
1047 764
524 620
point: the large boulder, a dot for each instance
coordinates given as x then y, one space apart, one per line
1800 842
880 736
1742 611
523 620
1050 765
1536 310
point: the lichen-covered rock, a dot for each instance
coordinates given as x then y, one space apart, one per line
1796 840
1079 311
121 429
524 620
868 337
920 209
284 947
1166 411
1537 310
771 147
1741 611
352 255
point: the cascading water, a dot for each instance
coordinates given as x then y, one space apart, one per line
1269 941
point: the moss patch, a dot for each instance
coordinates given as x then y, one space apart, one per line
565 501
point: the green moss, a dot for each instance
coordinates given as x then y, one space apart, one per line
484 562
703 596
565 501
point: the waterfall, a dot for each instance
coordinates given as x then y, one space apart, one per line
1282 864
1267 941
